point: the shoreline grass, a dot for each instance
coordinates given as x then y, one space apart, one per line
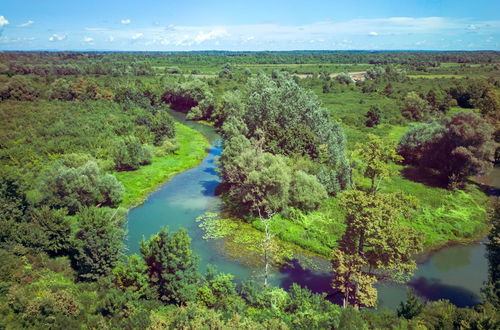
141 183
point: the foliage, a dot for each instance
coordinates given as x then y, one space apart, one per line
162 126
458 147
19 88
373 116
171 266
74 182
130 154
193 97
376 156
258 180
376 244
306 192
415 108
412 307
98 241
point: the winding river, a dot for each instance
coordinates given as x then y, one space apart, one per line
455 273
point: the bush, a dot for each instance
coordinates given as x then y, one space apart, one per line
19 88
415 108
68 184
162 126
458 147
306 192
373 116
130 154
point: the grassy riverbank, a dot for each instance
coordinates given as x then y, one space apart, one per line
140 183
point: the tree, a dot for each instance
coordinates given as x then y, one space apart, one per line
457 147
306 192
163 126
98 241
130 154
412 307
74 182
218 291
172 267
376 156
415 108
258 180
192 97
491 290
55 227
355 285
130 275
376 244
373 116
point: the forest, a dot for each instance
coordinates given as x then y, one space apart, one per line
363 159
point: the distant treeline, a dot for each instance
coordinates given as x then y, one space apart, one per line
140 63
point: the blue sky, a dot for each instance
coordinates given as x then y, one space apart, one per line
249 25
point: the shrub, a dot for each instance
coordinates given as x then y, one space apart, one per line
130 154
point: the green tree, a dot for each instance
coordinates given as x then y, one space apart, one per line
414 107
458 147
130 275
98 241
376 244
75 184
172 266
412 307
55 227
129 154
163 126
306 192
258 180
376 156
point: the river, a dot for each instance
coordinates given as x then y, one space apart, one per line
455 273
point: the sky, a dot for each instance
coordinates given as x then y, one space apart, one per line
184 25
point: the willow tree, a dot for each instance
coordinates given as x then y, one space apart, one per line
376 245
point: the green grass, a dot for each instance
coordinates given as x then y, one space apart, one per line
436 76
140 183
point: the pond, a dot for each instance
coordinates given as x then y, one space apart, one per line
455 273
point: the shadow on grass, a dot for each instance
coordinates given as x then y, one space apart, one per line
425 176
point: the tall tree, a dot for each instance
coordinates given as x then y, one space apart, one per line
375 245
172 266
98 241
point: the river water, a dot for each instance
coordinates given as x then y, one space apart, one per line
455 273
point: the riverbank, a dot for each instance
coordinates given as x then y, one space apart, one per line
147 179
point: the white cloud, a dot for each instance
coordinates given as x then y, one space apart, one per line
95 29
57 37
471 27
87 39
165 42
250 38
202 36
28 23
3 21
126 21
373 34
111 38
137 36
